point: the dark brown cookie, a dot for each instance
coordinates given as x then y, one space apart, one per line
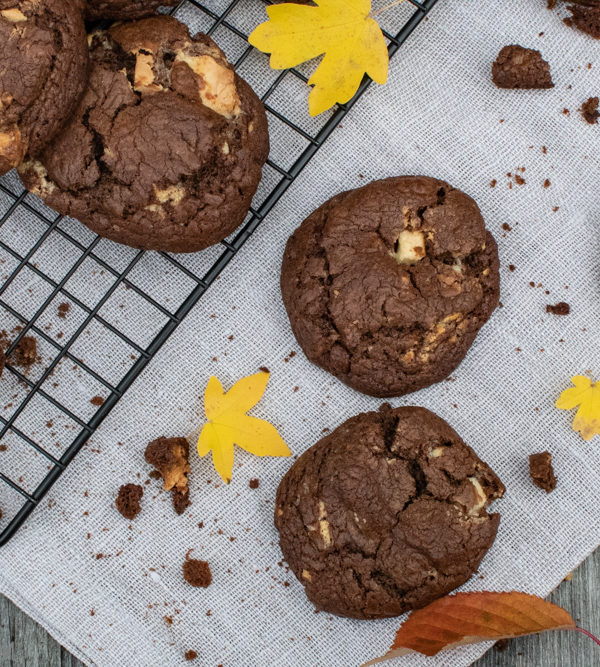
124 9
386 514
44 56
170 457
518 67
128 500
166 148
387 286
541 471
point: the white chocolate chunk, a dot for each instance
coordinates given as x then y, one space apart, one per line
218 91
411 247
13 14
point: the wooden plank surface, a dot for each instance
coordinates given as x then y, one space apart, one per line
23 643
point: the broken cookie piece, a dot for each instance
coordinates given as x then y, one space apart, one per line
170 457
386 514
518 67
197 572
542 472
585 17
128 500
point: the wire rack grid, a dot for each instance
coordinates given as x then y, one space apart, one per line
90 355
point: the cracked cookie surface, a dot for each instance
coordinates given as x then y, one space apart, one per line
124 9
387 286
43 51
166 148
386 514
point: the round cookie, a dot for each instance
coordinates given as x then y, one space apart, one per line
44 56
166 148
387 286
386 514
124 9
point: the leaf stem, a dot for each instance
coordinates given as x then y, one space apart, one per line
384 9
589 634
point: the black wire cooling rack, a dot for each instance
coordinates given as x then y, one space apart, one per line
49 411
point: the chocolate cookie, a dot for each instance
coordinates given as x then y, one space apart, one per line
386 514
166 148
44 56
124 9
387 286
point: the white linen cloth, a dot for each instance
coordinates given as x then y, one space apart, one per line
439 115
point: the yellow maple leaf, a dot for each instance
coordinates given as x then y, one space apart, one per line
343 30
586 395
228 424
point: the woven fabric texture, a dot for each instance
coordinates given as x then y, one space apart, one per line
103 585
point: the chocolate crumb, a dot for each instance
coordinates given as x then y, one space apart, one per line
128 500
493 183
63 309
191 655
561 308
97 401
547 183
3 448
589 111
263 369
519 68
542 472
519 180
506 227
168 620
501 645
25 354
253 483
197 573
181 500
170 457
512 267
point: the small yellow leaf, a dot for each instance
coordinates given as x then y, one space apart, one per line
229 424
586 395
343 30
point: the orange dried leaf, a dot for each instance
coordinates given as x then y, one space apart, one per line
469 618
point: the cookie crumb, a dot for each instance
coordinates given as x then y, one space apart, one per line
263 369
561 308
493 183
501 645
517 67
547 183
63 309
506 227
197 572
191 655
589 111
253 483
128 500
97 401
25 354
170 457
541 471
512 267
